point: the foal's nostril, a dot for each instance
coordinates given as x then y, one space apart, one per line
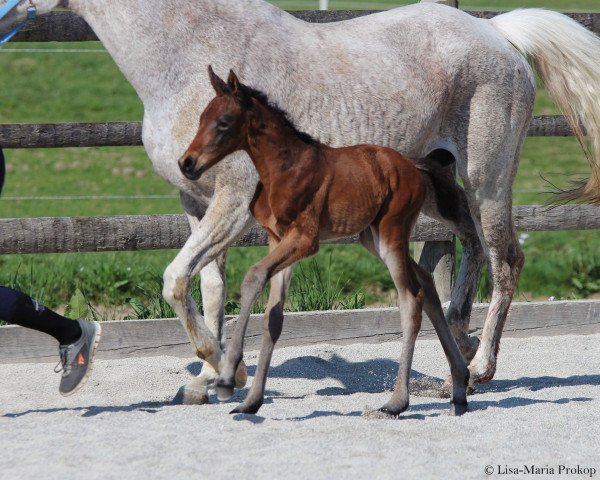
188 165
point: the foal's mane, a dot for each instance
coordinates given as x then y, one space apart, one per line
263 99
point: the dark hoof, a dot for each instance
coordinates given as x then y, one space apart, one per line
458 409
248 409
224 391
393 411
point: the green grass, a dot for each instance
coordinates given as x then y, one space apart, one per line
87 87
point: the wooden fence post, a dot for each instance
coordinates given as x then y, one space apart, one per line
438 258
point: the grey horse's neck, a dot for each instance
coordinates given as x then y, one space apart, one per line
157 44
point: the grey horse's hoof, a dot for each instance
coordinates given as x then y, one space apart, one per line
446 388
458 409
224 391
194 397
248 409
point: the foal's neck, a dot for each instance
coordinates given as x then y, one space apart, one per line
275 146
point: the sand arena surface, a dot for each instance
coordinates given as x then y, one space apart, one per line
542 410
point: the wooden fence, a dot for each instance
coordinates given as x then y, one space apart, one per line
47 235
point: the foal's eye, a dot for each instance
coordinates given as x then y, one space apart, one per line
222 125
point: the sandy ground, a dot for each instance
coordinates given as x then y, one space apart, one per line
541 411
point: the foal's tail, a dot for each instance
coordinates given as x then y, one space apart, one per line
567 57
446 190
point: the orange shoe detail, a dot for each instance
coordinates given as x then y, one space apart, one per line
80 359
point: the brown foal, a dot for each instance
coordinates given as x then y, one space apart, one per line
311 192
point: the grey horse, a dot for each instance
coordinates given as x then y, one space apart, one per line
416 78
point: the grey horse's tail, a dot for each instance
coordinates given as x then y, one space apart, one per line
567 58
446 190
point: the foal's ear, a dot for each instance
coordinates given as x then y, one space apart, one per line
233 82
236 88
217 82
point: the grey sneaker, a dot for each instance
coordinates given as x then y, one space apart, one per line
77 358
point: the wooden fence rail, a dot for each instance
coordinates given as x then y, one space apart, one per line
116 134
143 338
68 27
151 232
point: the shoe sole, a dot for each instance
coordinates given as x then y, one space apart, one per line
91 363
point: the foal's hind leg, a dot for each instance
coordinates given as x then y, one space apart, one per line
410 303
458 367
455 215
393 251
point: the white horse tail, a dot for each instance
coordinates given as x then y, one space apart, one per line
567 57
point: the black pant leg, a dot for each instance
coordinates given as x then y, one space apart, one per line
20 309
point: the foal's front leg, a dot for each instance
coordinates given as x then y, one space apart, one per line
293 247
272 326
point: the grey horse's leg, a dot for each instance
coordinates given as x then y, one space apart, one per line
213 287
272 325
213 282
493 158
225 219
214 290
505 261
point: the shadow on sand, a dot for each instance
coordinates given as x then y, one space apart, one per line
372 376
379 375
93 410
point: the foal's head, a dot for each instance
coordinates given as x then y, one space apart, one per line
222 129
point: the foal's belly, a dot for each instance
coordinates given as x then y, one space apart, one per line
348 219
351 207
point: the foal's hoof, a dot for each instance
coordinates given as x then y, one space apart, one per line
241 375
393 410
224 390
458 409
194 397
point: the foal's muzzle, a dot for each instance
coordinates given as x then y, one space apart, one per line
187 165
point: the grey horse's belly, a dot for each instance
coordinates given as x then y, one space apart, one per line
407 87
